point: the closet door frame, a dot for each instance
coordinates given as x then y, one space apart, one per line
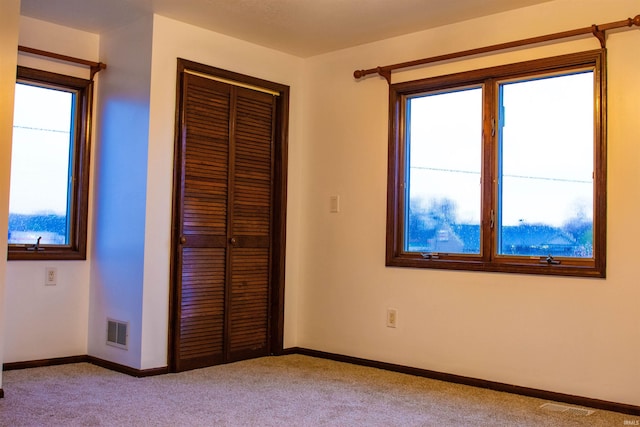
279 203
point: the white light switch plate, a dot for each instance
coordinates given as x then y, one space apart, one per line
334 204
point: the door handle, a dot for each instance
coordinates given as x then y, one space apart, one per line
233 241
183 240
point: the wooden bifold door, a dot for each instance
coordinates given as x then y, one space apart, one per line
228 219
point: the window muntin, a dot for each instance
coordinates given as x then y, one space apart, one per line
535 131
49 167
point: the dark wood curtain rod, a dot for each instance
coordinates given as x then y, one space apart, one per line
93 66
596 30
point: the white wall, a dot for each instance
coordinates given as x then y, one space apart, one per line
122 142
9 29
567 335
54 321
173 39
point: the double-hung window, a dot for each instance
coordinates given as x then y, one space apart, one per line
501 169
48 198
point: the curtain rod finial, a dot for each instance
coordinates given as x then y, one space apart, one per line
636 21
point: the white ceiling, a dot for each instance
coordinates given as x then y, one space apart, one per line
299 27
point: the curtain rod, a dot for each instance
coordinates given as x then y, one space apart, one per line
597 30
93 66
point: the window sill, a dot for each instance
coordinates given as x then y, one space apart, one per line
19 253
580 270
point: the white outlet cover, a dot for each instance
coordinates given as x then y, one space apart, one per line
392 318
51 276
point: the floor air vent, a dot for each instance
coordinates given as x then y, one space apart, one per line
556 407
117 333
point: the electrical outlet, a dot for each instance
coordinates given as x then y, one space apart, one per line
51 276
392 317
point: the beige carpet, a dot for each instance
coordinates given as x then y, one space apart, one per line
274 391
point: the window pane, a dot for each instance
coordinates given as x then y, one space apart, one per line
40 172
444 154
546 167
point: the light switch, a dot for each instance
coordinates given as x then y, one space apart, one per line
334 204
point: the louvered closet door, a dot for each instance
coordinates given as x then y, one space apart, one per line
225 219
251 224
203 258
